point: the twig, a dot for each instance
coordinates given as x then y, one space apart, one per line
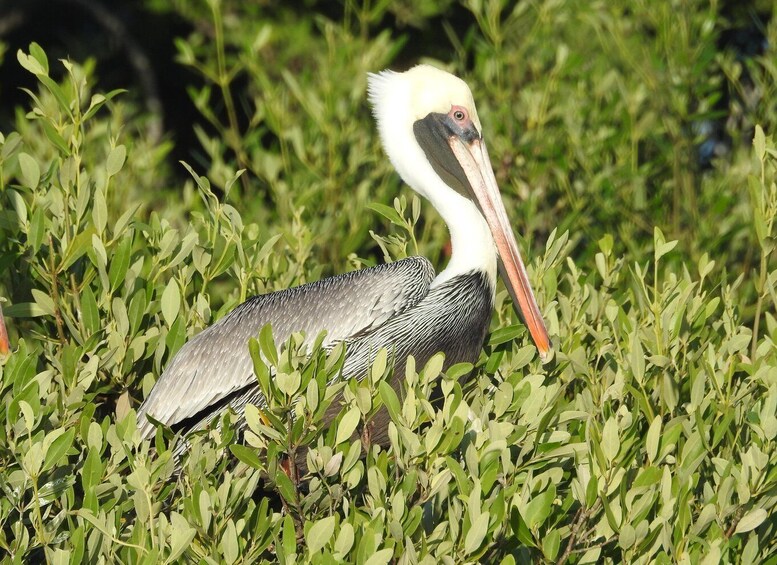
735 522
293 473
580 518
594 546
224 79
577 522
55 293
759 305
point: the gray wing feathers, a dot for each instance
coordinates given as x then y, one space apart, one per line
216 363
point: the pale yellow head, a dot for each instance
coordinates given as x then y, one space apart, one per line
414 94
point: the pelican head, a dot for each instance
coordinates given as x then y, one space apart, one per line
431 132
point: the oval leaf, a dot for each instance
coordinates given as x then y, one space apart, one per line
390 400
347 425
476 533
58 448
171 302
751 520
610 441
30 170
380 557
538 509
320 533
653 437
115 160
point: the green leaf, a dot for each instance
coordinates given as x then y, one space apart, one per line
58 449
347 425
53 135
705 265
319 534
390 400
30 63
171 302
637 358
24 310
231 181
188 243
613 520
551 543
124 219
520 529
30 171
247 455
591 491
44 301
13 142
387 212
120 262
37 229
81 243
606 244
759 142
77 543
756 190
98 521
54 88
380 557
627 536
136 311
267 345
751 520
99 100
288 383
653 438
37 53
538 509
662 247
99 211
91 472
115 160
379 365
285 487
476 533
610 442
181 536
289 536
229 544
20 206
647 476
90 315
345 538
503 335
260 368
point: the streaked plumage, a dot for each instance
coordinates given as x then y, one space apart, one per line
429 127
346 305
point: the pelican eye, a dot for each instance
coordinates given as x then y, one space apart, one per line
459 115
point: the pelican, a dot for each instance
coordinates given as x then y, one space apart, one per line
431 132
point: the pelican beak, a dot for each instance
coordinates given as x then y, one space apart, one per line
5 347
474 161
462 161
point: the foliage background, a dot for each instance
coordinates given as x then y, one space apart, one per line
623 135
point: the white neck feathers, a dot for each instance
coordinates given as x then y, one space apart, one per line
472 247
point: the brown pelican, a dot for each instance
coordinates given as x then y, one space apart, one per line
431 132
